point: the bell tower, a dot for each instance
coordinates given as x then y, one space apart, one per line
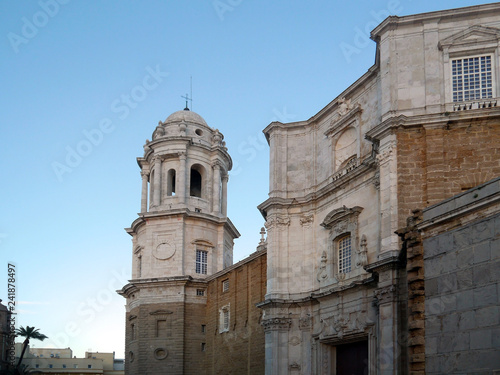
181 237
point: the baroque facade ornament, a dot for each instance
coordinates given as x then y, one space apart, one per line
306 220
323 272
362 253
279 222
305 322
386 294
275 324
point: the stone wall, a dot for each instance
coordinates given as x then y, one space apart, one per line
239 350
462 263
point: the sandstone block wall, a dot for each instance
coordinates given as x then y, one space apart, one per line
437 163
240 350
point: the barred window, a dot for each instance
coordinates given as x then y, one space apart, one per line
225 285
344 251
200 292
201 261
472 78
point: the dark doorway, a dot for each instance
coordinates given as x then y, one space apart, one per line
352 359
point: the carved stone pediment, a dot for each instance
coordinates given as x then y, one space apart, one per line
471 37
341 215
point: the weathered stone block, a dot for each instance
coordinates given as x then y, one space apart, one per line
480 339
485 296
482 252
431 345
465 300
433 267
431 287
487 316
462 238
482 231
465 257
481 274
447 283
451 342
464 278
467 320
450 322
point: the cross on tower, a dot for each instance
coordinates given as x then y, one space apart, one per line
187 98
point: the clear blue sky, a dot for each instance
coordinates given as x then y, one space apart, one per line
71 69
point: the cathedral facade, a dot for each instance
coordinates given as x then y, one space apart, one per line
353 277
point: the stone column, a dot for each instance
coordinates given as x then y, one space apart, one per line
181 188
216 191
387 160
144 191
276 345
225 179
157 181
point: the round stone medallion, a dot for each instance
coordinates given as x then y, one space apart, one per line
164 251
161 353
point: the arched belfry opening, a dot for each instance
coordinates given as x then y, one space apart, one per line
171 182
196 181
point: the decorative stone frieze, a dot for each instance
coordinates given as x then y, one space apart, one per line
279 222
305 322
344 324
277 324
386 294
306 220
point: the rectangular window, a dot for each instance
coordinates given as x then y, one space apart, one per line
90 366
203 328
200 292
344 251
225 286
201 261
203 346
472 78
224 319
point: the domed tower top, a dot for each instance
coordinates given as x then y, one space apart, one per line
183 228
186 165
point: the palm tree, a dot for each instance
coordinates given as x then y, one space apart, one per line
29 333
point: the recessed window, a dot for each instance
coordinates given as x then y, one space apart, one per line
201 261
196 182
344 253
225 285
203 346
200 292
199 132
171 182
203 328
89 366
472 78
51 366
64 366
224 318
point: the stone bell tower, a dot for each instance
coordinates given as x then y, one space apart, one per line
182 236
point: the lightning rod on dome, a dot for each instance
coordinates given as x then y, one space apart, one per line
187 96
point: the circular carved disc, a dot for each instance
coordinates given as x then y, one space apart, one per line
164 251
